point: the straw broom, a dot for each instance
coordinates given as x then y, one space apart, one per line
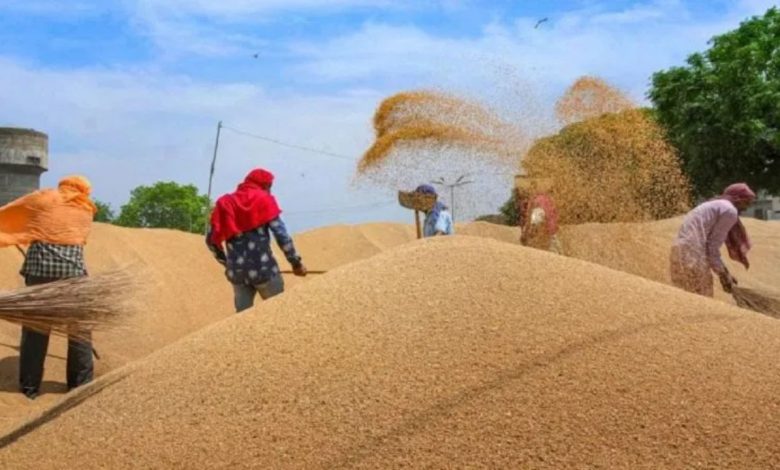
758 301
74 306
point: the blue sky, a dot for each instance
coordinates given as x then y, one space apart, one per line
130 90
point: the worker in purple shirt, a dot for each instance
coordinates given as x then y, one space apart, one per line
696 250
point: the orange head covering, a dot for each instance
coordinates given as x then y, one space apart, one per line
76 190
60 216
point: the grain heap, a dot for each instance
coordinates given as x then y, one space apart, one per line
643 249
186 292
541 361
182 280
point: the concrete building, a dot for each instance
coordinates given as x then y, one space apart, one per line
24 156
767 207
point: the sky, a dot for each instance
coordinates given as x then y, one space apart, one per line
130 91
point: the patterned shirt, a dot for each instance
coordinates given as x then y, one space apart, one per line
249 259
54 261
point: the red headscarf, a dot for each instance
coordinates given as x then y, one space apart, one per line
737 242
545 202
249 207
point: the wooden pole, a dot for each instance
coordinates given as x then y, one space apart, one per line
211 174
417 223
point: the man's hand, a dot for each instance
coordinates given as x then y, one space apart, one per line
727 281
299 270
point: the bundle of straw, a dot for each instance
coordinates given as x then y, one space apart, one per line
758 301
74 306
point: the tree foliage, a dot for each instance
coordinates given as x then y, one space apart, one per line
105 213
509 210
722 110
165 205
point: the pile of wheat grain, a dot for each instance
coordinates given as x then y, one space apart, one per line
186 292
643 249
454 351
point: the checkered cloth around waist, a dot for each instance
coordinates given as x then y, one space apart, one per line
54 261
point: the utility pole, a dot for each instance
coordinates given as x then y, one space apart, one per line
211 172
456 184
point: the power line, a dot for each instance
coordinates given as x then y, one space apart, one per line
342 209
338 155
292 146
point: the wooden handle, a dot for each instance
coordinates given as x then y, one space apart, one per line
289 271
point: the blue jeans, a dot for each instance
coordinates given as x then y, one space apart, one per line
244 296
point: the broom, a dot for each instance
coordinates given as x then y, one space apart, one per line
758 301
73 307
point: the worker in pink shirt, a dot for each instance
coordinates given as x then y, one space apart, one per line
696 250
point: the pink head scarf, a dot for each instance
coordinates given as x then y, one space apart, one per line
738 242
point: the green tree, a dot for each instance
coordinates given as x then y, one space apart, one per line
509 210
104 214
722 110
165 205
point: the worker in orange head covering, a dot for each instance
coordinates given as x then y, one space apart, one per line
54 225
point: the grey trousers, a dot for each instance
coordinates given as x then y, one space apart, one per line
244 295
32 355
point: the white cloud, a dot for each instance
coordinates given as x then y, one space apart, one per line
126 127
182 35
639 13
625 46
205 27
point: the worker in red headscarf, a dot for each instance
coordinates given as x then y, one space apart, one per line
696 250
243 221
538 219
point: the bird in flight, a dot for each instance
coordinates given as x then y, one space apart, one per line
256 55
543 20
